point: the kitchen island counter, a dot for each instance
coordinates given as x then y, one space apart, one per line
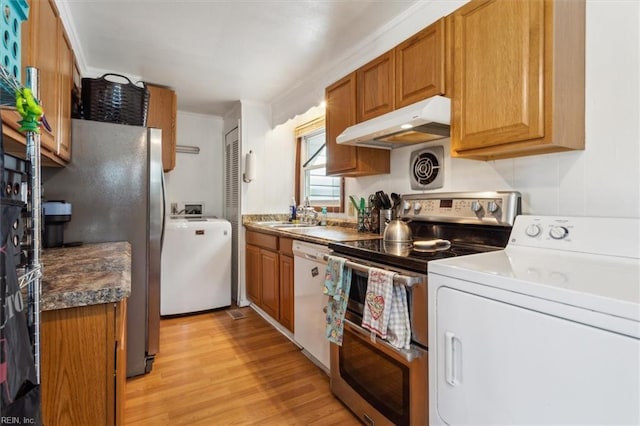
90 274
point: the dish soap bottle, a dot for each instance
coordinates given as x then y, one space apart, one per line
323 217
292 210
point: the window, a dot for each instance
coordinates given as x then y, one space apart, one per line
322 190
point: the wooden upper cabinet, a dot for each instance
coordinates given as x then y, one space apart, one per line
66 86
340 114
344 160
46 47
375 87
518 78
420 65
162 114
43 54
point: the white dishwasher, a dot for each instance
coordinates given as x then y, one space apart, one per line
310 324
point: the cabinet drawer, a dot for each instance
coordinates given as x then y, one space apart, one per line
286 246
262 240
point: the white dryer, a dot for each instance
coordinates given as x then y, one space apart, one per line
196 265
546 331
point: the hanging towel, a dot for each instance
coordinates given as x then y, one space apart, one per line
378 301
399 328
337 283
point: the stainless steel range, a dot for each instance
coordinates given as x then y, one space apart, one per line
380 383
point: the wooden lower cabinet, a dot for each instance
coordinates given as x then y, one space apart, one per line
83 365
270 282
269 275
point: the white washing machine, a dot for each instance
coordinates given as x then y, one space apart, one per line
546 331
196 265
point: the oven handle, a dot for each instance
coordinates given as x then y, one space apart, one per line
405 280
409 355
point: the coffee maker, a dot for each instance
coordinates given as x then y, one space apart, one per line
56 214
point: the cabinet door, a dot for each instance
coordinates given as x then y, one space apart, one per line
66 85
499 76
44 56
162 114
420 63
253 270
270 268
286 292
344 160
77 365
121 359
340 114
375 87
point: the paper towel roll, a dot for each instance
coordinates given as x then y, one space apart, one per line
249 167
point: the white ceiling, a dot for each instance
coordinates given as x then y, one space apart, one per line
215 52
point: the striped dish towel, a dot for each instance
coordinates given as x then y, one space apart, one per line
399 328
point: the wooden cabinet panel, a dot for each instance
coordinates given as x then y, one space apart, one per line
45 46
121 359
269 275
515 66
343 160
420 63
375 87
44 56
270 271
162 114
80 368
253 276
286 292
262 240
66 86
340 114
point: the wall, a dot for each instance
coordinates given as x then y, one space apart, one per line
198 178
603 180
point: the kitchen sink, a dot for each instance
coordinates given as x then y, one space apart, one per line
286 225
294 225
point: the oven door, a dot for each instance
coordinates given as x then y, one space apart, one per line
381 384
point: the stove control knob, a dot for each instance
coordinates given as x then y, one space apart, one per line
417 206
492 206
558 232
476 206
533 230
406 206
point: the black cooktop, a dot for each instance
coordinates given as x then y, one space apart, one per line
464 240
402 255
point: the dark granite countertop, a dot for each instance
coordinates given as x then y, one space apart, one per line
90 274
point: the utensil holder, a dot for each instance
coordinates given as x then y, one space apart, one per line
364 220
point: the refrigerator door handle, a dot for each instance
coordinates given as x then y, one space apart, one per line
164 208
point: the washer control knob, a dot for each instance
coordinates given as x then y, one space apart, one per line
417 206
476 206
492 206
533 230
558 232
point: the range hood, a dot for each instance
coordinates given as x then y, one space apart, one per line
424 121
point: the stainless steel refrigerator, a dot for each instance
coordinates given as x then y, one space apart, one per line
115 184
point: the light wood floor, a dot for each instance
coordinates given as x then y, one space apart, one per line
213 370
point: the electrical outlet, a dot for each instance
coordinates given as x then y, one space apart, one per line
352 210
174 208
